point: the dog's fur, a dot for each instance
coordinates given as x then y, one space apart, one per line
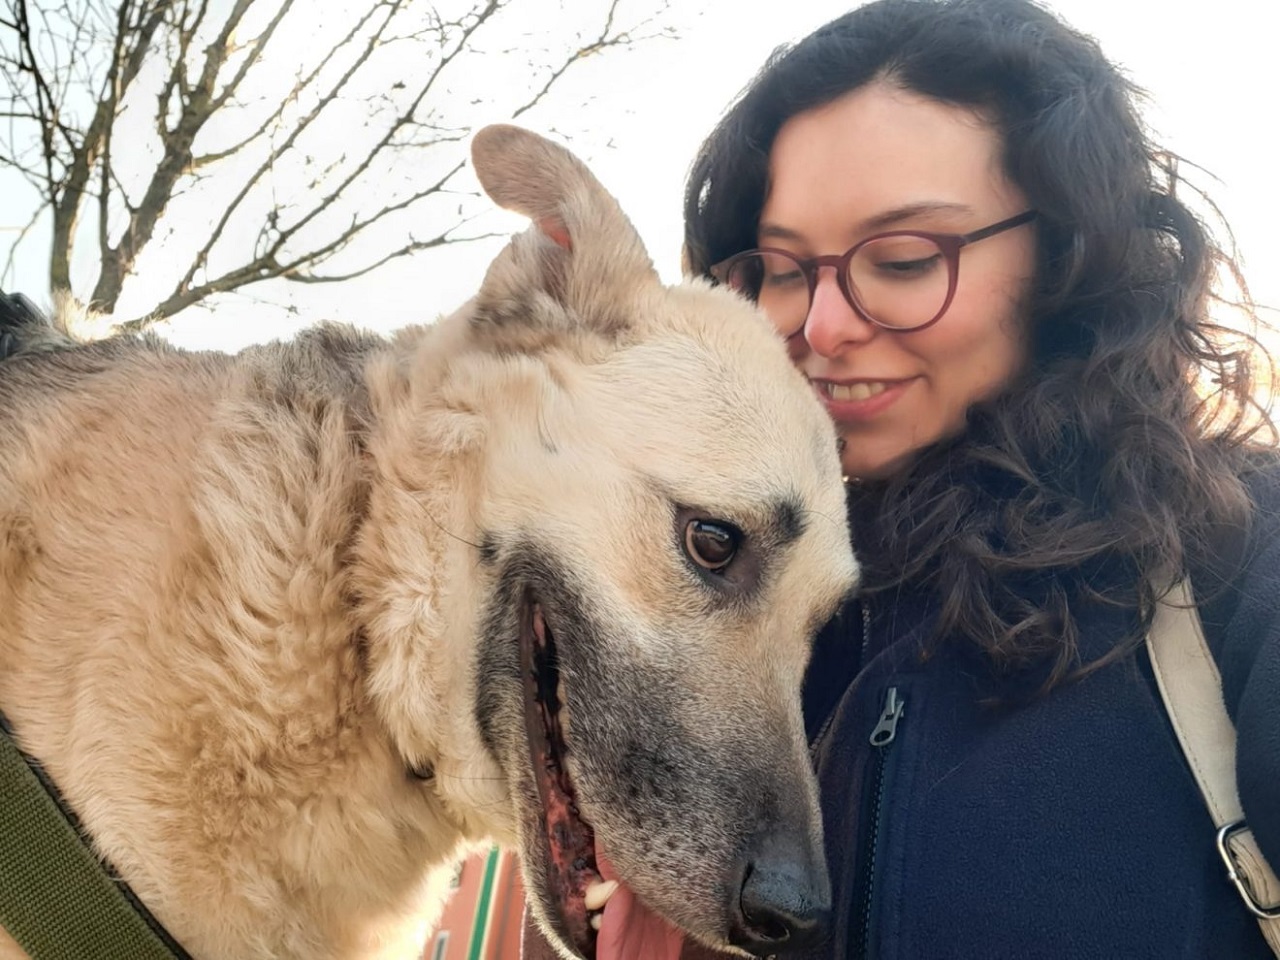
243 597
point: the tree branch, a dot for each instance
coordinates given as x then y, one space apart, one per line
22 235
413 246
69 196
201 258
77 68
406 117
117 262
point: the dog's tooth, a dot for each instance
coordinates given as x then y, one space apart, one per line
564 702
597 921
598 894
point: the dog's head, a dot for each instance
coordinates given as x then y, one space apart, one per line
661 530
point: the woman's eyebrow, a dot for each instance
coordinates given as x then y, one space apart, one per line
880 221
906 212
773 231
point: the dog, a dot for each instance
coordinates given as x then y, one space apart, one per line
293 629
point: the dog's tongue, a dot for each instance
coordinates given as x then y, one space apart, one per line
630 930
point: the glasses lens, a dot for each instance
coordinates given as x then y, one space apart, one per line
900 281
775 282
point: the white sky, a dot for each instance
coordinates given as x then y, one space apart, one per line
1210 69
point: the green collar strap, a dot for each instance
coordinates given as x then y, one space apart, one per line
57 899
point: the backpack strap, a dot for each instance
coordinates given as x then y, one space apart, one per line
1189 681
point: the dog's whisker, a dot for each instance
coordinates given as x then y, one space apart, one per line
809 512
458 778
449 533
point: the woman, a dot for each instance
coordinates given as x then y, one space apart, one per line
952 214
1028 459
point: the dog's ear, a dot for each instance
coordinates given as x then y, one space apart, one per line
581 251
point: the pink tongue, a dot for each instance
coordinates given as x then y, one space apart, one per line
630 930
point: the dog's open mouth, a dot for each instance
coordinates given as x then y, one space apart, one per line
600 916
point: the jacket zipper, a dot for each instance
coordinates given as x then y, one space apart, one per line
882 737
865 613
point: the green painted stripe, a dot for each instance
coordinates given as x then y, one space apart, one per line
476 950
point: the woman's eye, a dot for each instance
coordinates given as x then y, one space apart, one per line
908 268
788 278
711 544
904 257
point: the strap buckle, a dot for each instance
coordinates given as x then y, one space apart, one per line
1239 878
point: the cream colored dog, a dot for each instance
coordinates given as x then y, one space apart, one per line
288 629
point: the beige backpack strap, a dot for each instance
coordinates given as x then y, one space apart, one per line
1192 689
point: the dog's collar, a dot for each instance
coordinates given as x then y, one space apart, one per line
57 898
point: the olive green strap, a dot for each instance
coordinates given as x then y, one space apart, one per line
57 900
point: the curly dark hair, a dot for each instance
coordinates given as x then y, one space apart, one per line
1121 450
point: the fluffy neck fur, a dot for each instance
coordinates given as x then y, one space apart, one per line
291 625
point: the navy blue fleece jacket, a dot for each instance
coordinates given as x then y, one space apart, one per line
1067 828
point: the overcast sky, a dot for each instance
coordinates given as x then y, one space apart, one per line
1210 69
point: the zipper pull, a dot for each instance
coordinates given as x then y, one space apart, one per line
887 728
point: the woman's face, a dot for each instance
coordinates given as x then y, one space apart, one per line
881 158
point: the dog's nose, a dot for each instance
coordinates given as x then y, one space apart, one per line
785 899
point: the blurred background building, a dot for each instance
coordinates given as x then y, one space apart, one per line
481 920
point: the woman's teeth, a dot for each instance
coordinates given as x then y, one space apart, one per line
854 391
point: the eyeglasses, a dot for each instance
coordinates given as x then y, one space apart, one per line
903 280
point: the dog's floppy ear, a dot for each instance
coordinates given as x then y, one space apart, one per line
581 250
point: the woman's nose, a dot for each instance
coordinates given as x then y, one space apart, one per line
832 325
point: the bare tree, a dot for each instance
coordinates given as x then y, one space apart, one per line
230 142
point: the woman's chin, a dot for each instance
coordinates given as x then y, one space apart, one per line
870 465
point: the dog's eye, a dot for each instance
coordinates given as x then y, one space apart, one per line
711 544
